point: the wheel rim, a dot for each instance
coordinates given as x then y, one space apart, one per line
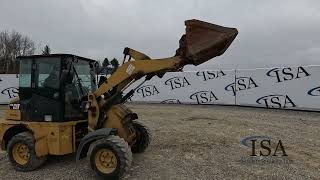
21 153
106 161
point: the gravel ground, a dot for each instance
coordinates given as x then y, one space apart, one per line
203 142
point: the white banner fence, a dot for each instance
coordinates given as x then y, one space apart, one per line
295 87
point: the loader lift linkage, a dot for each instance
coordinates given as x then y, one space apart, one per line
60 110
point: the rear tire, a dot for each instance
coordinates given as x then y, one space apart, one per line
143 138
110 157
22 155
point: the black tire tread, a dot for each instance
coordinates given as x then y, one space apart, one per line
122 149
34 161
143 141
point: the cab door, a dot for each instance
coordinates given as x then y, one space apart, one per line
42 100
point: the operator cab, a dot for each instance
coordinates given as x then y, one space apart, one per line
51 87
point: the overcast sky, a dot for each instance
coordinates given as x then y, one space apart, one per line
271 32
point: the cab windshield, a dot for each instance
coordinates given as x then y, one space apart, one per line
83 82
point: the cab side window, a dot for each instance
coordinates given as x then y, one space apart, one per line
47 77
49 73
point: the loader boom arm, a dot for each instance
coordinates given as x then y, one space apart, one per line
134 70
201 42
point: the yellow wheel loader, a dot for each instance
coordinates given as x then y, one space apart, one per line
61 110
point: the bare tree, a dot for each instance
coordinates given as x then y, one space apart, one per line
12 45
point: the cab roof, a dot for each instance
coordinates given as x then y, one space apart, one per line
55 55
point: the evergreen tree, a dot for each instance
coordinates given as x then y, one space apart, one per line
46 50
105 62
114 62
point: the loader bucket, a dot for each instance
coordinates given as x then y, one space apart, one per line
204 41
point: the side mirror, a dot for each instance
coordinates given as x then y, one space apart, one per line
67 77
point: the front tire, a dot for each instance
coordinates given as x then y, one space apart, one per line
143 138
110 157
22 155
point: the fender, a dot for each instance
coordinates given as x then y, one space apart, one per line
91 137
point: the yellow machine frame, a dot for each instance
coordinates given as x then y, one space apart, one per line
105 107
